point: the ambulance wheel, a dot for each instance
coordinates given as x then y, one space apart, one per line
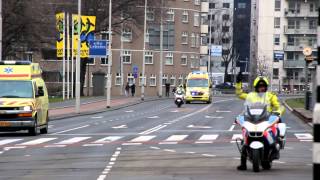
187 102
33 131
45 129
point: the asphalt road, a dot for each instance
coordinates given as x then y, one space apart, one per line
150 141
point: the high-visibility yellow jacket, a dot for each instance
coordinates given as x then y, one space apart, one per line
270 98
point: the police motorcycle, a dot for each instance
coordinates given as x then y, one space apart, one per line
179 98
263 135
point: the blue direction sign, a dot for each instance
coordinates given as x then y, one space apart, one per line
135 70
98 48
216 50
278 56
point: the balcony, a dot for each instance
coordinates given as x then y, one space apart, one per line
204 7
203 50
300 13
204 29
300 64
292 47
301 30
293 81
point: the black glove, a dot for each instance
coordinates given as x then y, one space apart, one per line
239 77
276 114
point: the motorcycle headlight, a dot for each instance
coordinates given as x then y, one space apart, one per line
27 108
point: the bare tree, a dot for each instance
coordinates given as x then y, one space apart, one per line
263 67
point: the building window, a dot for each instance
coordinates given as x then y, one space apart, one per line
225 17
118 79
277 5
170 15
164 79
193 40
184 38
90 61
290 56
173 80
196 19
211 16
147 36
150 14
277 39
142 80
127 35
312 7
169 58
197 2
212 5
276 22
226 5
197 40
242 5
225 29
130 79
104 61
126 57
225 40
291 24
185 16
180 80
312 24
275 73
194 62
184 59
153 80
148 57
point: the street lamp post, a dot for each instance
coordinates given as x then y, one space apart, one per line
78 60
144 50
110 57
161 51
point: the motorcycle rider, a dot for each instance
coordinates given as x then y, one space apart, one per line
181 89
260 85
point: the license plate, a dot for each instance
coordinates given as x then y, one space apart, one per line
5 124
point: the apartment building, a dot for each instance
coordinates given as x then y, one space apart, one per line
184 30
283 28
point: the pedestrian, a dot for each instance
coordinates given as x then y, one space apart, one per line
167 84
133 89
126 89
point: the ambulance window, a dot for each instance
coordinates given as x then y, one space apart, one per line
35 89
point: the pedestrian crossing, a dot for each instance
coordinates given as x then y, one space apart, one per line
93 141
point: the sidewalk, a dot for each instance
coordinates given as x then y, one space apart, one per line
305 115
92 105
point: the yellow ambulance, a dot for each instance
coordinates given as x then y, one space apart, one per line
23 98
198 87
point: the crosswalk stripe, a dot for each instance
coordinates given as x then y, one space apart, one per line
37 141
207 138
174 139
8 141
142 138
108 139
304 136
73 140
235 137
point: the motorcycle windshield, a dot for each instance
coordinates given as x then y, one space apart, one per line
256 107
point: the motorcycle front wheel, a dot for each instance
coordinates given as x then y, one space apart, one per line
266 165
256 160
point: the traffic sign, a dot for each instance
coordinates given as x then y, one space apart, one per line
135 70
216 50
98 48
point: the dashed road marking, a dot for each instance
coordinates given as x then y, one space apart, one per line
96 117
108 139
207 139
235 137
8 141
232 127
73 140
123 126
72 129
214 117
304 136
221 111
153 117
174 139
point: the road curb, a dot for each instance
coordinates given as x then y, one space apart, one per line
54 118
298 114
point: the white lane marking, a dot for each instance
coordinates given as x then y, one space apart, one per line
50 126
109 165
306 140
207 139
55 145
237 158
174 139
92 145
169 150
220 111
108 139
102 177
167 123
131 144
142 138
154 129
232 127
96 117
174 111
304 136
153 117
1 152
214 117
73 140
129 111
120 127
14 147
37 141
72 129
209 155
153 147
8 141
236 136
190 152
279 162
199 127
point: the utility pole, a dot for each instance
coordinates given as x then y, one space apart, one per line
161 50
78 60
110 57
144 50
68 57
210 36
121 56
64 59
